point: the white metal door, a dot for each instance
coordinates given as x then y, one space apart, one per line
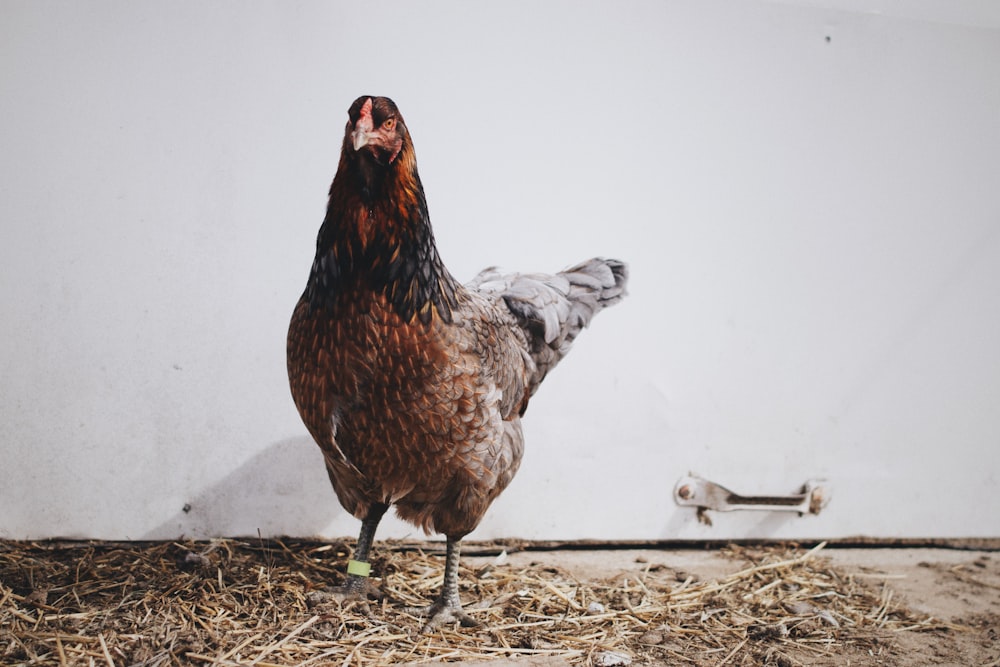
807 194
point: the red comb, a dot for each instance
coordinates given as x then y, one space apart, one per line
365 120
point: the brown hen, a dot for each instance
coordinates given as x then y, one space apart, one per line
412 384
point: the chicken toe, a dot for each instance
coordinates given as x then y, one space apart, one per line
442 612
355 592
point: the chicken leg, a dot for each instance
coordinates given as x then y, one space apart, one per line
447 608
356 589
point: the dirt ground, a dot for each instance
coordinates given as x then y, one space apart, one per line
959 587
232 602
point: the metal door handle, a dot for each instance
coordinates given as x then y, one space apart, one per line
693 491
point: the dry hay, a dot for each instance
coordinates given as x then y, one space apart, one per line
248 602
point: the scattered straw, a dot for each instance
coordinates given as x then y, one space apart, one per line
230 602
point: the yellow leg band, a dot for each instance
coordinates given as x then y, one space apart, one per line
358 568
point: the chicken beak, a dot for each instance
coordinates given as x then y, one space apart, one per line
360 138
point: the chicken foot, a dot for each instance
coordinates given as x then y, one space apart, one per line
358 587
447 608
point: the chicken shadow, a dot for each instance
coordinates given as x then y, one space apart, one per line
283 490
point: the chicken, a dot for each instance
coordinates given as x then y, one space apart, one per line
412 384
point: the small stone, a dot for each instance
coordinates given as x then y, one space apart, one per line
651 638
767 631
38 596
611 659
595 608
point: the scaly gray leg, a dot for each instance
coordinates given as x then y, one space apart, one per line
447 608
358 587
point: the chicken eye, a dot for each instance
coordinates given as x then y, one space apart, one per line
389 123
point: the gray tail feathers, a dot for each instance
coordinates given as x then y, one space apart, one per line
554 309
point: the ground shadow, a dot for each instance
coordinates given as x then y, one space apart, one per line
283 490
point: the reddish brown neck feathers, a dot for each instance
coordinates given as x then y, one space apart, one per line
379 240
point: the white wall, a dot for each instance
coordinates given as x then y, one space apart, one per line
807 193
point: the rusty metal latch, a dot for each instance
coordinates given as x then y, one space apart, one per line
693 491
